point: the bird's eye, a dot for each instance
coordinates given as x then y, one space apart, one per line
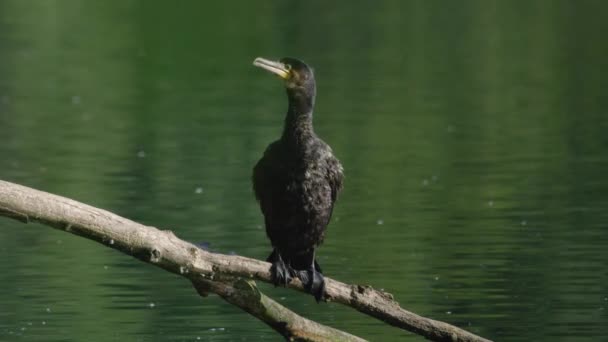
287 67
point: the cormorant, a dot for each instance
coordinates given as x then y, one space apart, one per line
297 182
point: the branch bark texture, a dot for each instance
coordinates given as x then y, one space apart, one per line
225 275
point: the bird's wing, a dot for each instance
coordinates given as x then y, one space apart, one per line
335 177
263 175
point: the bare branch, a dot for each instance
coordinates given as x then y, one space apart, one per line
245 294
165 250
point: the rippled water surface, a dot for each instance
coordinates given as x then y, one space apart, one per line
473 135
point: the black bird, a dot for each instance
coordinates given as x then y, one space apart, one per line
297 182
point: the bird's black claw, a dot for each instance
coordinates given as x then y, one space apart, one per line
314 283
281 273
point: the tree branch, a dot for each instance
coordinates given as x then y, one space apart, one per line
245 294
215 272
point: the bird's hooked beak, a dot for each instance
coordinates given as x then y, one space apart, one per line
276 68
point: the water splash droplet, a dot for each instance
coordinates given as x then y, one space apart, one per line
141 154
198 190
380 222
151 305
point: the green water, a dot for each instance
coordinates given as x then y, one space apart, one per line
473 136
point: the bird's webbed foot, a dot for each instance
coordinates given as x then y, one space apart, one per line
281 272
313 282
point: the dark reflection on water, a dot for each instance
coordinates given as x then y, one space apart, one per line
473 136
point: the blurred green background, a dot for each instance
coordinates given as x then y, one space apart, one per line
473 136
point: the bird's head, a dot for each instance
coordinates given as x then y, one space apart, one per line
299 78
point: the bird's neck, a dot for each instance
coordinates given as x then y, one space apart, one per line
298 121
